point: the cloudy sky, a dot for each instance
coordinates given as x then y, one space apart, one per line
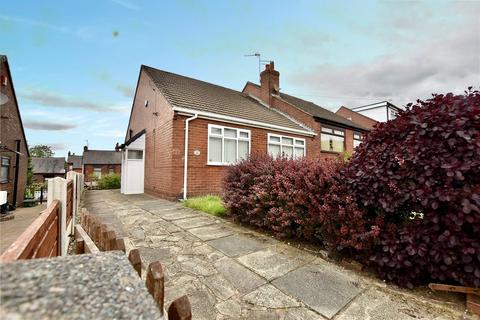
75 64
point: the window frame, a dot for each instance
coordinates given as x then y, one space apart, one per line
9 166
333 129
356 139
281 144
222 136
94 172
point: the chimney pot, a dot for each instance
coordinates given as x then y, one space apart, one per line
85 148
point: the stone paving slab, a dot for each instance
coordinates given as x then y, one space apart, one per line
321 288
239 244
194 222
240 277
271 263
211 232
230 272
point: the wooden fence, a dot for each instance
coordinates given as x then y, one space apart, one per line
92 235
40 239
48 235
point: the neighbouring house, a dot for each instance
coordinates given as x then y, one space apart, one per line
74 162
97 163
183 133
13 144
381 111
48 168
356 117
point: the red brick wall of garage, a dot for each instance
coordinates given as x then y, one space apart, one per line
11 130
207 179
88 169
157 120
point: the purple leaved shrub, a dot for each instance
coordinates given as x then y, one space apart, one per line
418 180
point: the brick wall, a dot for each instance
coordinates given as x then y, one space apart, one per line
304 118
11 130
356 117
160 151
88 169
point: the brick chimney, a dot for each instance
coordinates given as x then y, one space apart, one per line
269 83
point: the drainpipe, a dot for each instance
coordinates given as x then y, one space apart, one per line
17 164
185 165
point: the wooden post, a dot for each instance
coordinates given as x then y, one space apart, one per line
57 190
80 248
155 283
180 309
134 258
112 240
120 244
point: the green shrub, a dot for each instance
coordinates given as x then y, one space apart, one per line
109 181
209 204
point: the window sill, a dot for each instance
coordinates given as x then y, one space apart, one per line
332 152
219 164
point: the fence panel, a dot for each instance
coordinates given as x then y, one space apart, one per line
69 201
41 239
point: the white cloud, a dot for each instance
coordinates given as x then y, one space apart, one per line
428 55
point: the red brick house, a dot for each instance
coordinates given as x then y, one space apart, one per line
74 163
193 130
100 162
13 144
48 168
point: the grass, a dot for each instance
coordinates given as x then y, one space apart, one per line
210 204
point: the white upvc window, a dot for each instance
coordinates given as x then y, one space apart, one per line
286 146
97 172
227 145
332 139
357 139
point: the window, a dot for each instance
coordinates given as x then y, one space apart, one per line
97 172
227 145
332 139
286 146
5 169
135 154
111 171
357 139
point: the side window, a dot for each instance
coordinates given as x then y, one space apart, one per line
332 139
5 169
285 146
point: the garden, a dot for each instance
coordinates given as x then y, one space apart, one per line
406 204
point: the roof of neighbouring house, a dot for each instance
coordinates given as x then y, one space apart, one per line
355 116
102 157
315 110
52 165
76 161
185 92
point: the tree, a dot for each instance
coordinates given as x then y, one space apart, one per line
41 151
29 172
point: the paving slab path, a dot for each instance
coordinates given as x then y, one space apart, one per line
230 272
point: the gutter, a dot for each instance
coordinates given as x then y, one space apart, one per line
251 123
185 165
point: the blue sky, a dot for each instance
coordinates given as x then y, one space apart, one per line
75 64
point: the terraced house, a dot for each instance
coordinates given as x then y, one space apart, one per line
183 133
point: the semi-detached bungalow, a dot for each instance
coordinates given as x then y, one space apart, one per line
183 133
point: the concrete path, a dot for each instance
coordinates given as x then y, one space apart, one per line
230 272
10 230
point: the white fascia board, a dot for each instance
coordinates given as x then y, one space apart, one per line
251 123
371 106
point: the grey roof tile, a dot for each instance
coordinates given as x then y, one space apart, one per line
102 157
76 161
53 165
194 94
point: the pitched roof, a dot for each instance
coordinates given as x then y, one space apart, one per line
54 165
315 110
3 58
76 161
198 95
102 157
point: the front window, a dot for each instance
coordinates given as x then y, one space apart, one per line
135 154
97 172
227 145
357 139
5 169
332 139
285 146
